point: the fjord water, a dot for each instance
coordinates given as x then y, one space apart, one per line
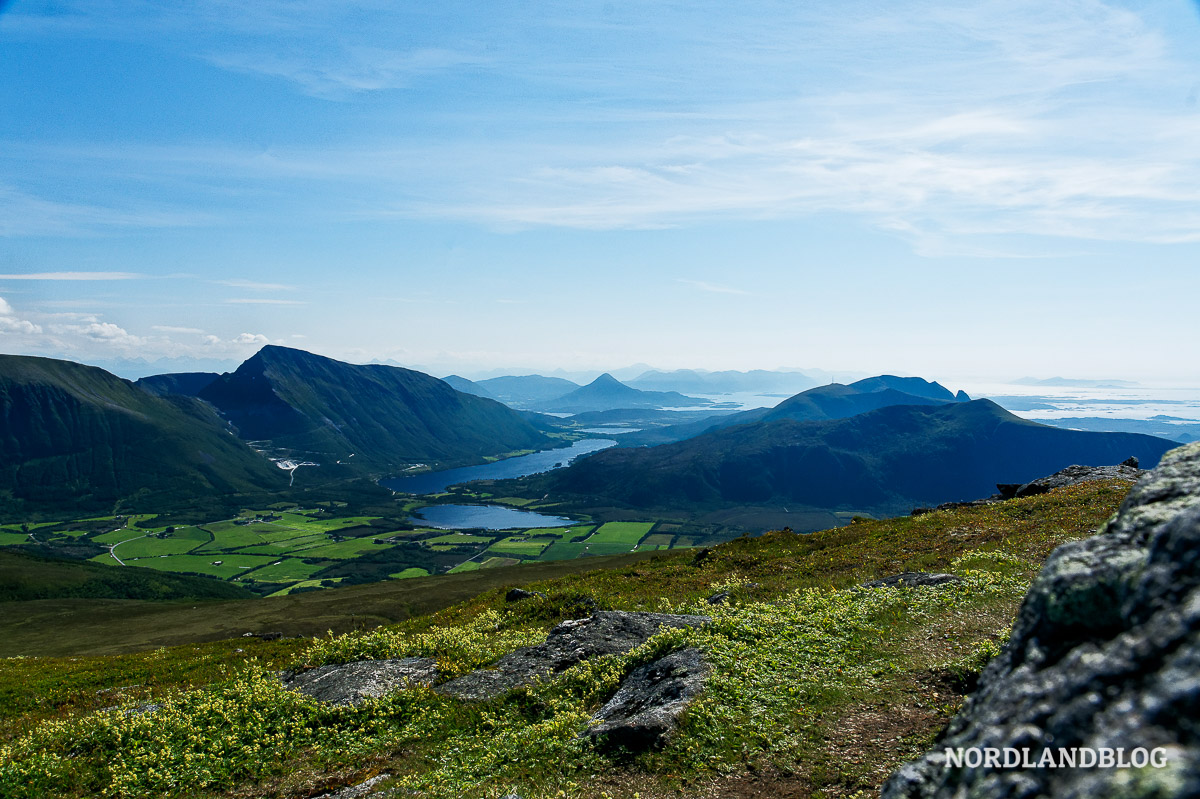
487 517
536 463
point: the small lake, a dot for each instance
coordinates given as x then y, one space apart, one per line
487 517
538 462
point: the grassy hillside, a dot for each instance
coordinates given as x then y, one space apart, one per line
818 686
76 438
24 577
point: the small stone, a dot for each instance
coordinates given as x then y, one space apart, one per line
913 580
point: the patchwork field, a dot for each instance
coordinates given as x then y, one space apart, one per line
276 550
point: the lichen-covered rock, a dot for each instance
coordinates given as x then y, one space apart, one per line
644 711
1074 475
352 683
606 632
913 580
1104 657
364 790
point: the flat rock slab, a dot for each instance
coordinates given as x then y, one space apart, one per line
353 683
913 580
1104 655
644 711
606 632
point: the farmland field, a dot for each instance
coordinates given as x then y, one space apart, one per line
289 548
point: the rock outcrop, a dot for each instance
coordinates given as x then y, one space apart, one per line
606 632
913 580
1072 475
644 711
1103 663
353 683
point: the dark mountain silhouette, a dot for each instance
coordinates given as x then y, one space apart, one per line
607 393
467 386
885 461
833 401
382 416
75 437
525 391
189 384
701 382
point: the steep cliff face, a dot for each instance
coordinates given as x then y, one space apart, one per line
1103 662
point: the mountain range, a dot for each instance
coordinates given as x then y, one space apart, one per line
384 417
833 401
74 437
884 461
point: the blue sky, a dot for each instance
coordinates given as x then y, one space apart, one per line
951 189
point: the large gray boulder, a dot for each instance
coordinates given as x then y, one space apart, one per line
606 632
1104 661
353 683
645 709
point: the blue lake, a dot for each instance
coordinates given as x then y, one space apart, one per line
487 517
538 462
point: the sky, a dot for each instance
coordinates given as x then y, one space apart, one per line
950 189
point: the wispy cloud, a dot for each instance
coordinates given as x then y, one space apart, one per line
173 329
711 287
73 276
250 284
262 301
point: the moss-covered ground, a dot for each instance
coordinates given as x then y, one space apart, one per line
818 687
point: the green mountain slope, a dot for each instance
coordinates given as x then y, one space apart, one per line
833 401
76 438
25 577
375 418
885 461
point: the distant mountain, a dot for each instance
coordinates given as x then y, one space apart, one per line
188 384
701 382
833 401
467 386
525 391
384 417
883 461
74 437
918 387
607 393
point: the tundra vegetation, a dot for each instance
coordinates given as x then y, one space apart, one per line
816 683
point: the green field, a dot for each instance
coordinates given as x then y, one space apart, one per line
151 547
413 572
518 545
263 547
231 565
285 571
469 566
344 549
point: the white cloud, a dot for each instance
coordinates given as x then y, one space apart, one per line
262 301
73 276
257 339
173 329
11 323
250 284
